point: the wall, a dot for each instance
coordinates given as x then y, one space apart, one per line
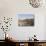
10 8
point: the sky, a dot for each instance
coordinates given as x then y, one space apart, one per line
25 16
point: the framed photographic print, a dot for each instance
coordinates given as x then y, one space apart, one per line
25 19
